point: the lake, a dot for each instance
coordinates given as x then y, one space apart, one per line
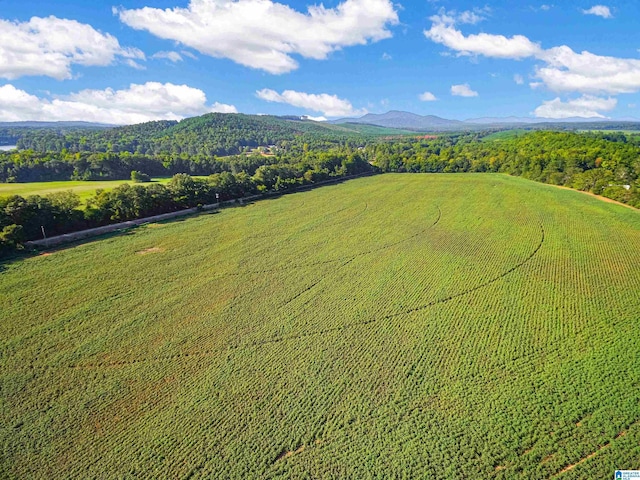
6 148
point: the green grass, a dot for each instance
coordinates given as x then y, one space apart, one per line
505 135
84 189
366 129
398 326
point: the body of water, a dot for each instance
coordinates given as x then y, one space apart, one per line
6 148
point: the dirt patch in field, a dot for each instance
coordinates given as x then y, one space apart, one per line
604 199
288 454
574 465
150 250
46 254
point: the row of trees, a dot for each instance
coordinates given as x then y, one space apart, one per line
23 219
589 162
30 166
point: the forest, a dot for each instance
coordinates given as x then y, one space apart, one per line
213 134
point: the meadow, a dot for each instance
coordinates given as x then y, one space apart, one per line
84 189
396 326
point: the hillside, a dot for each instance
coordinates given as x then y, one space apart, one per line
211 134
447 326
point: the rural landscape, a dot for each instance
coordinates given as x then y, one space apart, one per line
260 239
457 325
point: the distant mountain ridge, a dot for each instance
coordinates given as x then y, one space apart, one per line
402 120
411 121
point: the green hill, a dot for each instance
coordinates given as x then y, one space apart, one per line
211 134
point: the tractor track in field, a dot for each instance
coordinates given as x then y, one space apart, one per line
403 312
259 343
348 258
600 449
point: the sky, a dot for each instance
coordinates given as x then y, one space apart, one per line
132 61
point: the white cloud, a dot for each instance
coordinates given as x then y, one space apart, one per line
386 56
599 10
187 53
519 79
263 34
427 97
586 106
471 17
133 64
463 90
443 31
568 71
316 119
564 69
329 105
136 104
50 46
173 56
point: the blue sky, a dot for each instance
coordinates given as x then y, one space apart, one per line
138 60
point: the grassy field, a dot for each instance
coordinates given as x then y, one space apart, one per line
82 188
505 135
398 326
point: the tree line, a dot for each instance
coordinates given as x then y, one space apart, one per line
24 218
602 163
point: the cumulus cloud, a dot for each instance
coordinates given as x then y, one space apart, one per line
263 34
568 71
329 105
586 106
443 31
427 97
315 119
519 79
172 56
463 90
599 10
136 104
50 46
564 70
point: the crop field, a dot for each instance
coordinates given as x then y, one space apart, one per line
398 326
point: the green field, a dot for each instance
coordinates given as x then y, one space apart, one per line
399 326
84 189
505 135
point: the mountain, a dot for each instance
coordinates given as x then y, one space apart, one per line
404 120
430 123
529 120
